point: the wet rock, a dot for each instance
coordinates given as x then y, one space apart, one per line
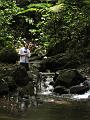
20 76
60 90
87 83
69 78
79 89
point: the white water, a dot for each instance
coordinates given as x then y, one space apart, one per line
46 89
83 96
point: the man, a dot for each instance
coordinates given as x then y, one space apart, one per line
24 56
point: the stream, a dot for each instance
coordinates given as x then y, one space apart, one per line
52 107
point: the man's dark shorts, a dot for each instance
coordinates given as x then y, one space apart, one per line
26 65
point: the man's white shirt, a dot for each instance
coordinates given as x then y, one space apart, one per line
22 52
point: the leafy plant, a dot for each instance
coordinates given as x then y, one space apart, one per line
8 9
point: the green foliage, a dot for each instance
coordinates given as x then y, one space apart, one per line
8 9
60 28
31 22
69 28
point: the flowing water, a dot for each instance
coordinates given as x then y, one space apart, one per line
84 96
76 107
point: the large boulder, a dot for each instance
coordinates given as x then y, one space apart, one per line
20 76
59 61
60 90
69 78
79 89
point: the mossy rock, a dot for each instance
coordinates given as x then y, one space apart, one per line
20 76
69 77
59 61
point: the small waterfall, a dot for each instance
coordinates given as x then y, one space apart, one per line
46 88
83 96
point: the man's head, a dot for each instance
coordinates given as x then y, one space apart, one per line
30 46
26 45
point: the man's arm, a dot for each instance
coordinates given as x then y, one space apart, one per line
29 53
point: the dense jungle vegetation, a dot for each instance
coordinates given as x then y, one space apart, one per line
59 27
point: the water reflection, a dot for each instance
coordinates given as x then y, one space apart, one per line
51 111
